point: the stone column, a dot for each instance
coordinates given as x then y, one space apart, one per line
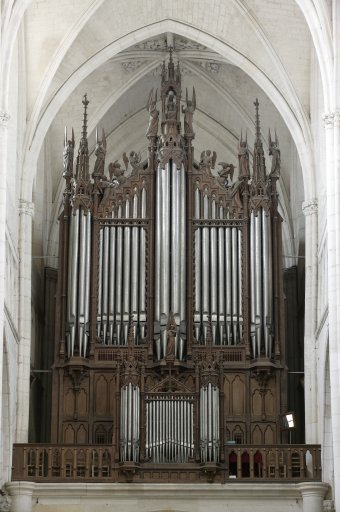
4 119
312 494
331 122
25 268
21 494
310 210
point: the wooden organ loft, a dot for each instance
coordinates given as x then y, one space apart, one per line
170 354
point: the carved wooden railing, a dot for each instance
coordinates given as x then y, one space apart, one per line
43 463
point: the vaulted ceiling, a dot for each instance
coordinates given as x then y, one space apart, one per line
231 51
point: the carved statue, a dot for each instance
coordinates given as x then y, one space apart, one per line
243 158
226 172
68 154
188 112
100 153
208 160
154 114
134 159
275 152
171 337
115 171
171 106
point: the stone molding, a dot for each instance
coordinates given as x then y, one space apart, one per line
310 207
4 117
26 207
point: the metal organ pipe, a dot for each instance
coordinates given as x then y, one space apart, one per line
142 269
221 280
119 274
267 282
209 423
112 280
235 283
252 283
134 264
129 423
87 282
228 284
213 273
198 280
182 262
73 280
205 267
126 273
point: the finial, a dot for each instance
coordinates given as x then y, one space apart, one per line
257 122
85 103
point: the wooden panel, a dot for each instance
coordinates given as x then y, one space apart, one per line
82 402
256 403
238 396
69 402
269 403
69 434
257 436
81 435
226 389
101 396
269 436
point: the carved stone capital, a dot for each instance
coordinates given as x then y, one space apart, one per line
310 207
26 207
4 117
331 118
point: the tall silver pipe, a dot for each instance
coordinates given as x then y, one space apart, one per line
119 277
73 280
235 283
198 279
142 269
240 309
221 282
100 277
228 267
87 282
182 245
213 273
105 287
175 242
126 273
81 288
112 282
165 244
258 281
270 286
205 263
135 255
252 284
267 282
158 236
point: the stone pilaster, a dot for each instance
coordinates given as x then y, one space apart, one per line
332 175
310 210
26 209
4 120
313 494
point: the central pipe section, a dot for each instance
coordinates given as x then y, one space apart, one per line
170 256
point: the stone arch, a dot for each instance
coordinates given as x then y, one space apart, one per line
290 111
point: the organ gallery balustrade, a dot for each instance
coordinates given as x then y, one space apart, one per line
53 463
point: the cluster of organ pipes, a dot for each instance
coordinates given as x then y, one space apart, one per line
261 284
122 274
170 257
129 423
79 264
218 275
209 423
169 428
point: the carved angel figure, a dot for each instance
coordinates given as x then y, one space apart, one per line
208 160
68 154
100 153
275 152
226 172
188 112
154 114
134 159
243 158
115 171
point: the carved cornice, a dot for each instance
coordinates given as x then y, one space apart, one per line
310 207
4 117
26 207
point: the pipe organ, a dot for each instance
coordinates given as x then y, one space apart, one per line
170 307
